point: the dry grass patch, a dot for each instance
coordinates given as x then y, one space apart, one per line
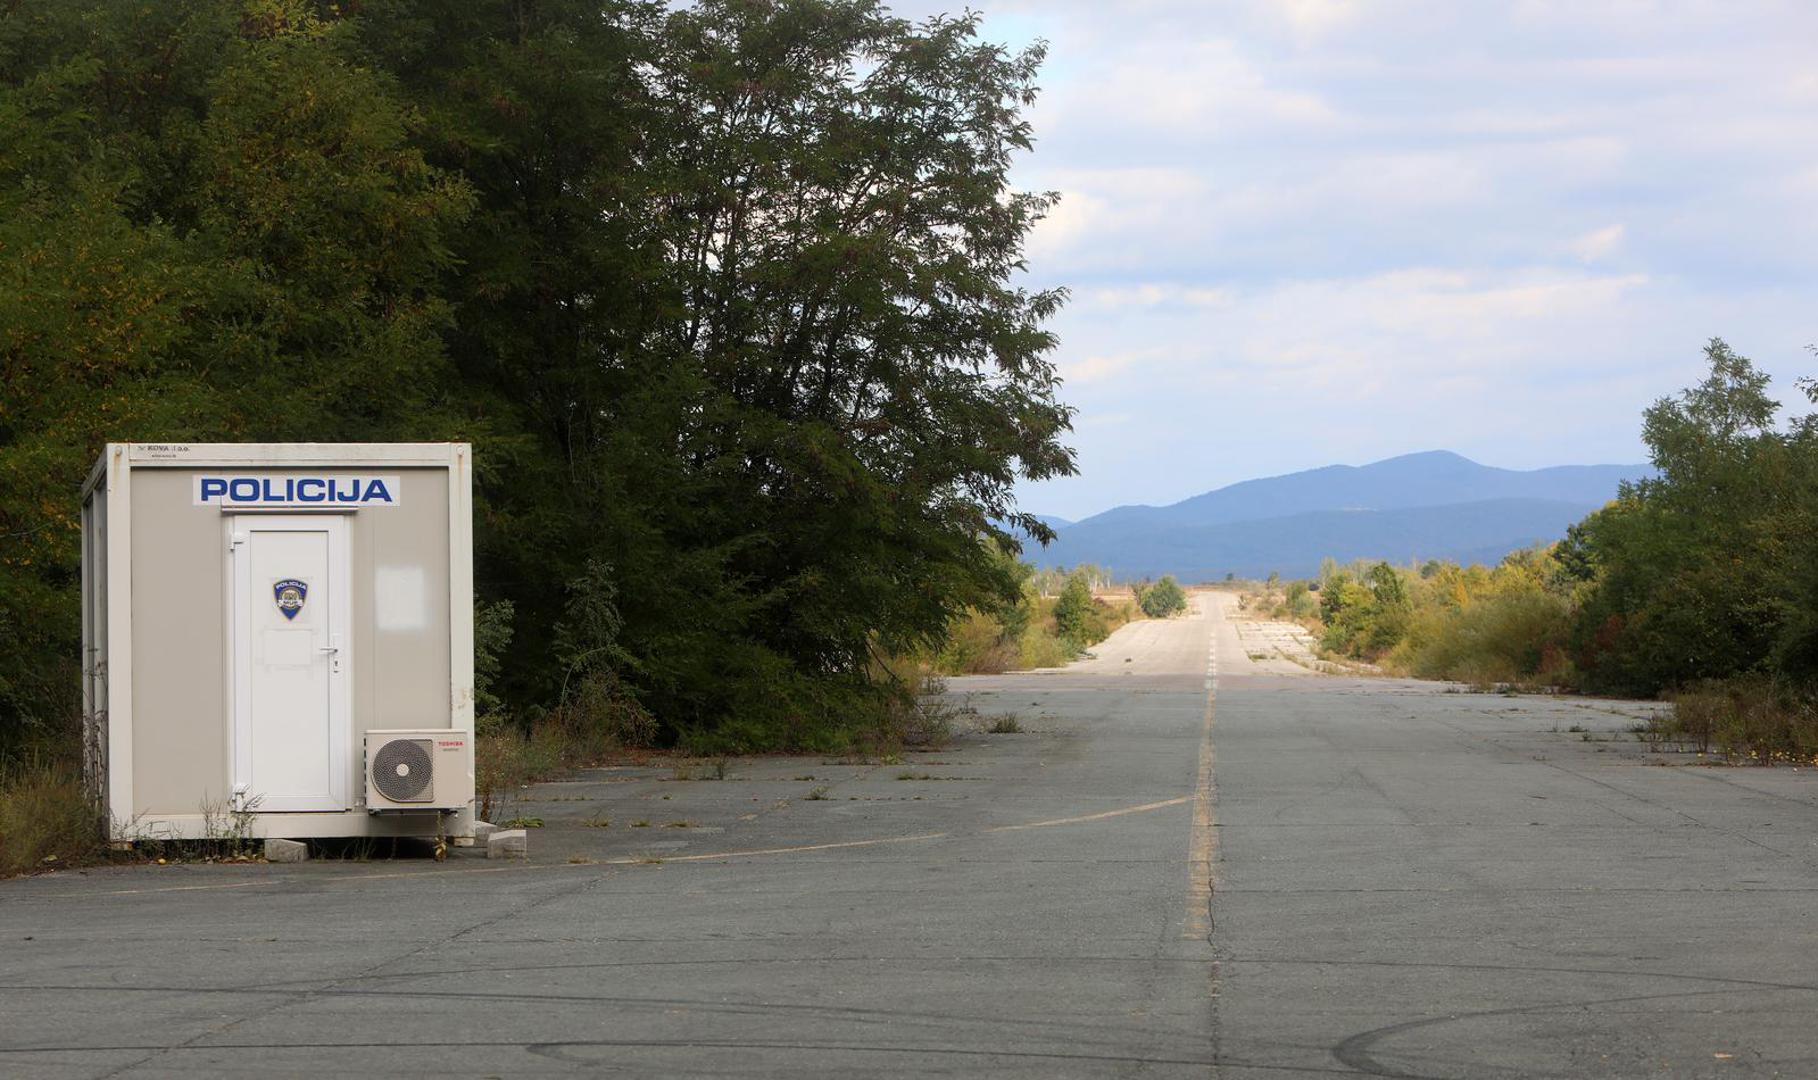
1751 718
46 819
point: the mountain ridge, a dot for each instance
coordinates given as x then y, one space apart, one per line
1434 504
1444 474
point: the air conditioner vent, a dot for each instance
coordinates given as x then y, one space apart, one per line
417 770
403 770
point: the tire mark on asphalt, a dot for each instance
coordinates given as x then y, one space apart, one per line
330 986
1356 1051
552 1051
1607 786
1081 1033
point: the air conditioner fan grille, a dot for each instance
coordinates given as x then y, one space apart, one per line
402 770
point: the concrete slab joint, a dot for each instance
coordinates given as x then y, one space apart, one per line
286 851
508 844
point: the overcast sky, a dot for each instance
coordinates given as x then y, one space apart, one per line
1301 232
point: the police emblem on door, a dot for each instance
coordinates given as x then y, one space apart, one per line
290 594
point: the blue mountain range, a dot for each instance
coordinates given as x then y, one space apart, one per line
1434 505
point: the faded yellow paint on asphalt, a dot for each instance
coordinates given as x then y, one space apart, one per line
1203 848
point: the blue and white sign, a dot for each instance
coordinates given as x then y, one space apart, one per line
348 491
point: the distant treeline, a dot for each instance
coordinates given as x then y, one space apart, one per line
723 294
1701 582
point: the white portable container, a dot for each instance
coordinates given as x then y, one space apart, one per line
264 625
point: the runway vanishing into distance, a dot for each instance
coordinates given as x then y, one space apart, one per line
1195 859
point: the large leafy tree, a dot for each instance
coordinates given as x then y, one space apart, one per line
743 276
1698 572
212 225
726 294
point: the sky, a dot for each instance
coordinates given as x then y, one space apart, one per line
1306 232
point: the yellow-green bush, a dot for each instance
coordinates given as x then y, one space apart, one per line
1509 623
1486 628
46 819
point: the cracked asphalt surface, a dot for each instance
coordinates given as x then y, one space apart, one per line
1188 863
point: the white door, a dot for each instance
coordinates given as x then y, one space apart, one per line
291 662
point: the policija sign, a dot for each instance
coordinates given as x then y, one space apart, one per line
342 490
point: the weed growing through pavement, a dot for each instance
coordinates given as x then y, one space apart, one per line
1007 724
1750 718
523 823
818 794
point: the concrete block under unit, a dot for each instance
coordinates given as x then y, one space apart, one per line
286 851
481 830
508 844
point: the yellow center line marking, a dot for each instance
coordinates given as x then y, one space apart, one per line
1204 848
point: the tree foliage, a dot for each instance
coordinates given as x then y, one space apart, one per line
1163 599
725 295
1073 612
1705 571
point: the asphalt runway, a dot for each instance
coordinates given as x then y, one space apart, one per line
1189 862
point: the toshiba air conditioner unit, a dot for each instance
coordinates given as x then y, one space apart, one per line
418 770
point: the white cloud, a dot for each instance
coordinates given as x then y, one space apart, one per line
1597 244
1317 16
1182 88
1306 231
1099 367
1098 420
1157 295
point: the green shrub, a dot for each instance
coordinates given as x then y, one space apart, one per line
1163 599
978 644
1510 637
1073 612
